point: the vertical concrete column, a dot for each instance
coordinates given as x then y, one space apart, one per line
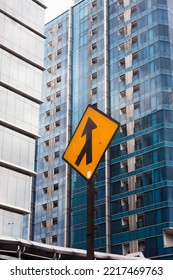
130 146
48 239
128 60
132 223
48 227
129 111
128 45
126 3
131 163
133 246
127 15
51 156
129 77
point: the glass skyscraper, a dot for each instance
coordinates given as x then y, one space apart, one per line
116 55
21 66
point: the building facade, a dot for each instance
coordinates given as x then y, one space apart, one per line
21 66
116 55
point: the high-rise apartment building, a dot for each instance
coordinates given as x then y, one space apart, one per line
21 66
116 55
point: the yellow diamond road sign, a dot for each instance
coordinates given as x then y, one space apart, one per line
89 142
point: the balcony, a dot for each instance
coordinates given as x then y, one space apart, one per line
138 164
124 208
139 203
140 224
134 11
134 26
122 80
121 33
123 94
121 18
123 148
138 146
125 228
123 152
124 167
94 19
126 248
136 91
135 57
123 131
134 42
124 204
124 188
139 180
135 74
123 113
137 126
94 4
122 64
121 48
94 33
137 111
139 184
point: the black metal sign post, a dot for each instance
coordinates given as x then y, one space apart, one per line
90 219
84 152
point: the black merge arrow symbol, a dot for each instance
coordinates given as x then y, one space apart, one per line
87 148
